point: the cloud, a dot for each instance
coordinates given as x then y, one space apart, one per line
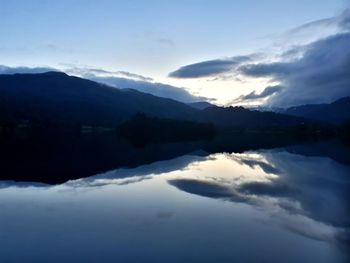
321 75
286 191
265 166
157 89
207 189
317 72
253 96
308 64
312 25
127 80
123 176
209 68
314 30
96 72
302 35
344 20
132 75
278 189
341 22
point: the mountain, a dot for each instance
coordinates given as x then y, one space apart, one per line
244 118
57 97
201 105
335 113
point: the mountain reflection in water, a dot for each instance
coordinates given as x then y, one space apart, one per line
284 204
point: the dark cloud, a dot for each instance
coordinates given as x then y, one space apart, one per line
207 189
267 92
277 69
266 167
268 189
218 67
316 72
344 19
319 72
294 52
321 75
209 68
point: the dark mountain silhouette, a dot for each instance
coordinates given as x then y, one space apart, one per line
55 97
335 113
201 105
58 97
244 118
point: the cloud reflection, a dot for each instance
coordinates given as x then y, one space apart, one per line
122 176
306 195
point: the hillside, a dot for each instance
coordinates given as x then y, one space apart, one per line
57 97
244 118
201 105
335 113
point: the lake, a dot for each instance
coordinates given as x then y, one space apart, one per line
284 204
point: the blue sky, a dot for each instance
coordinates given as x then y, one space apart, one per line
150 38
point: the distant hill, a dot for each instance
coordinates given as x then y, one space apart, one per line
244 118
55 97
335 113
201 105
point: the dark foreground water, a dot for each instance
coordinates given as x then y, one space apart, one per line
279 205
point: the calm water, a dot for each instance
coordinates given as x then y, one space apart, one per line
257 206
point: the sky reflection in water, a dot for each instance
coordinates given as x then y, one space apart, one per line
262 206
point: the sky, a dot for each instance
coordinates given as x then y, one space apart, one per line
209 50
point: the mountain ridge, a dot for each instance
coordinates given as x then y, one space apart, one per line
58 97
336 112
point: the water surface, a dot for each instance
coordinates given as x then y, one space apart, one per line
277 205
